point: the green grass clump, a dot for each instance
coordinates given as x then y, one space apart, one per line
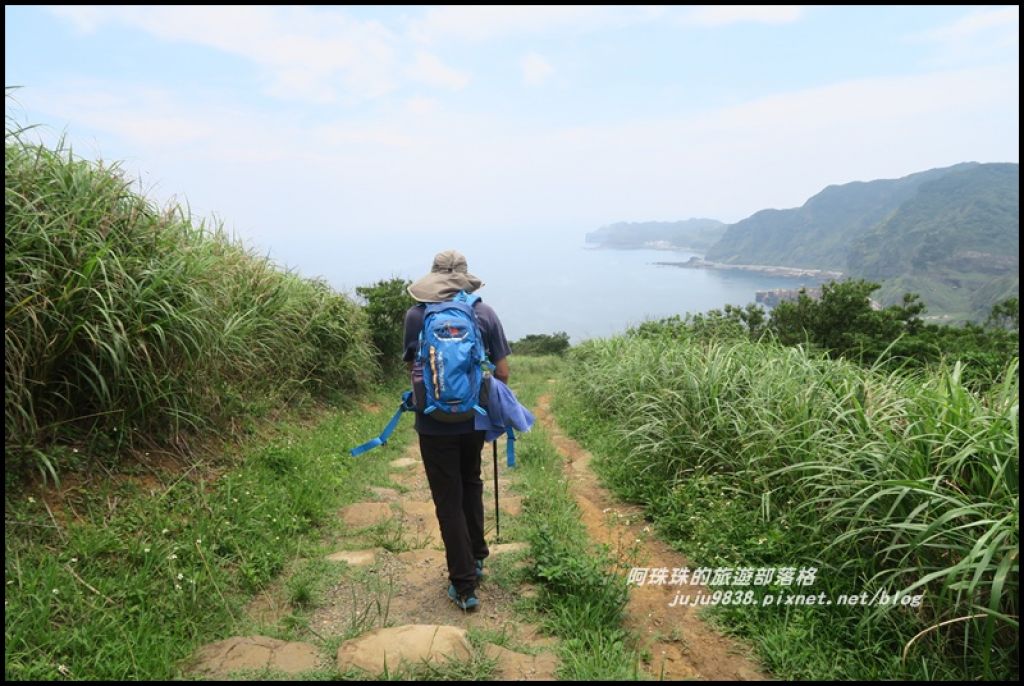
127 325
113 583
582 599
759 455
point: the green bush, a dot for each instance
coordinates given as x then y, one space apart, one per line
386 305
542 344
844 323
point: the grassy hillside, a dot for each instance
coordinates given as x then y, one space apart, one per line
755 456
127 325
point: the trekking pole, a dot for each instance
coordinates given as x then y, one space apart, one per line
497 512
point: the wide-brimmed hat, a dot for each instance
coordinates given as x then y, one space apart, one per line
448 275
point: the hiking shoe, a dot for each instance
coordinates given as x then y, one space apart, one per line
465 602
479 570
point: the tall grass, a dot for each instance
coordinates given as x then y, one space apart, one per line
769 455
128 324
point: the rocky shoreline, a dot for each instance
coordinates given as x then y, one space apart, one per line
767 270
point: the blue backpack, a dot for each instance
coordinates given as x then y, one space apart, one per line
452 357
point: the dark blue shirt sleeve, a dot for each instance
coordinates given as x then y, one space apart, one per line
413 325
495 343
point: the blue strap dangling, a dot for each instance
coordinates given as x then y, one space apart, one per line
406 406
510 448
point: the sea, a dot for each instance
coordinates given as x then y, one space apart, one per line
556 282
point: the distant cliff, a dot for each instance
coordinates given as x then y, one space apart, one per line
951 234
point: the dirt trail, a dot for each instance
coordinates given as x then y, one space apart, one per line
681 645
397 577
418 575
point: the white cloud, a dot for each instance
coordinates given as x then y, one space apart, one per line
315 55
430 70
145 118
976 24
721 15
480 23
422 106
981 34
453 170
535 68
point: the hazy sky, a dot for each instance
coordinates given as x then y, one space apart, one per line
299 126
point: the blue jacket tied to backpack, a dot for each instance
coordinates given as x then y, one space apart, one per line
452 355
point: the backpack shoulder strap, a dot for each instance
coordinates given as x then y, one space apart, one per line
407 405
468 298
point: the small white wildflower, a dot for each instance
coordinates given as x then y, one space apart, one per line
192 581
55 591
74 450
63 670
74 560
180 576
234 500
31 500
174 556
199 541
177 587
145 550
166 531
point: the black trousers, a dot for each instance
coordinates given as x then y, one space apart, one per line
452 464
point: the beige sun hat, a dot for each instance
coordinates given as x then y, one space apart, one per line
448 275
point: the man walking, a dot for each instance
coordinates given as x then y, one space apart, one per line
449 445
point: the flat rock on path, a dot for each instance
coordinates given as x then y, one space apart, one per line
403 462
254 653
362 515
356 558
413 643
388 495
513 666
419 522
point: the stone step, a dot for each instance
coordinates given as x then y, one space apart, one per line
254 653
413 644
356 558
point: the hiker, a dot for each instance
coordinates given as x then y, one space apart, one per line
451 449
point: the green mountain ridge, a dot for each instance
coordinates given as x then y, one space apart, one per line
956 242
819 233
951 234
